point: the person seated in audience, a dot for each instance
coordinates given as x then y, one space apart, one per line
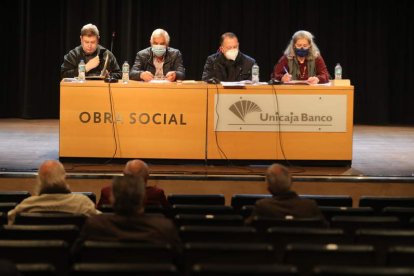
137 168
158 61
228 64
52 194
129 223
284 202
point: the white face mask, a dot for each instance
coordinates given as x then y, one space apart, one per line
232 54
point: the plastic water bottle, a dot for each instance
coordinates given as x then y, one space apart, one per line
255 73
125 72
338 71
81 71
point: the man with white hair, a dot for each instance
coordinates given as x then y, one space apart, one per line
93 54
158 61
284 202
52 194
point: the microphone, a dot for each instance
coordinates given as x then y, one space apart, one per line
109 78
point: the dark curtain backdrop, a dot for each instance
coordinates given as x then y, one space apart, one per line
373 41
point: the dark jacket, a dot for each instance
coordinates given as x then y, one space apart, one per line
153 196
286 204
144 61
155 229
69 68
217 66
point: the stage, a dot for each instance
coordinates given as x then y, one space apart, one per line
377 151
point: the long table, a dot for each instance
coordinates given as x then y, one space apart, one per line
204 121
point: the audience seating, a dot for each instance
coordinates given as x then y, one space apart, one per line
246 211
38 269
403 213
306 256
351 223
331 211
382 239
229 253
50 219
149 209
240 200
203 209
402 256
263 223
55 252
209 220
242 269
7 206
280 237
90 195
13 196
125 252
224 234
330 270
210 199
3 218
68 233
378 203
331 200
124 269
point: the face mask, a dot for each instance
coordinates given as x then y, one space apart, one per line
159 50
301 52
232 54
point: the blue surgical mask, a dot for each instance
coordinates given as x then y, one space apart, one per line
159 50
301 52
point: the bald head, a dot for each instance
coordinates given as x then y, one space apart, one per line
137 168
278 179
51 175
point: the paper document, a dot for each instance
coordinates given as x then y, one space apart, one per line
159 81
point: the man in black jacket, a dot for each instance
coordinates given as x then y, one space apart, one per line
284 201
158 61
93 54
228 64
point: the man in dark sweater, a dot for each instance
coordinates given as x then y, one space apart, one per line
129 223
228 64
94 55
284 202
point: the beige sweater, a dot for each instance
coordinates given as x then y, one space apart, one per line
68 203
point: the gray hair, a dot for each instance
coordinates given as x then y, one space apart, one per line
278 179
313 49
158 33
51 176
128 194
90 30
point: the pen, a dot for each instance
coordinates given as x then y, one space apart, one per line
286 71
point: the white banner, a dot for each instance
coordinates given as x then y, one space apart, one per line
290 113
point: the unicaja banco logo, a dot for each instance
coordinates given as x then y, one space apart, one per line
244 107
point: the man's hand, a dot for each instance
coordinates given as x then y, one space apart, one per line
171 76
146 76
93 63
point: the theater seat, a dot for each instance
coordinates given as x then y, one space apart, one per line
242 269
209 199
330 200
378 202
208 220
37 269
224 234
50 219
202 209
331 211
263 223
363 271
240 200
124 269
351 223
13 196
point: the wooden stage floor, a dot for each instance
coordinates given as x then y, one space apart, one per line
377 151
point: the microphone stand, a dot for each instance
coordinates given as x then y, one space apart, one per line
109 78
